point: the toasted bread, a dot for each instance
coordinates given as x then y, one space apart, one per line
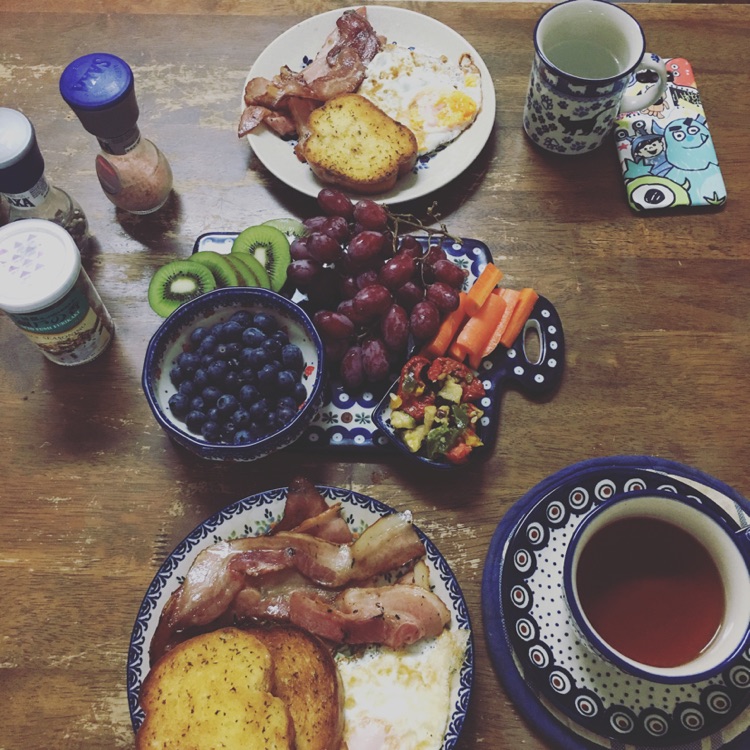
308 681
214 691
352 143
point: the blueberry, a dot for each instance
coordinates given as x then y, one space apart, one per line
222 351
286 402
231 331
299 393
268 378
211 431
227 404
243 317
266 322
248 395
213 414
200 378
215 330
258 358
241 418
198 404
273 348
285 415
206 360
281 337
194 420
243 437
187 387
228 431
177 375
258 410
211 394
232 382
208 345
179 404
188 361
197 335
233 349
291 358
272 422
253 337
285 382
217 371
248 376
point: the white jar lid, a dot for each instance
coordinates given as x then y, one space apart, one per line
39 263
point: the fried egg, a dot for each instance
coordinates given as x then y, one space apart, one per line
435 98
400 699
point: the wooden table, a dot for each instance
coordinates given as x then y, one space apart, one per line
656 314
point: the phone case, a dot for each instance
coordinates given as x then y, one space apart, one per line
666 151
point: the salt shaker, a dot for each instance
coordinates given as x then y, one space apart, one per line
134 174
23 182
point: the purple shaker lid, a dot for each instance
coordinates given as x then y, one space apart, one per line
99 88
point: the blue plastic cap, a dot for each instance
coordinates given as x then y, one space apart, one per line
99 88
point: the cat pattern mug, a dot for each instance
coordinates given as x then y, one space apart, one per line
586 52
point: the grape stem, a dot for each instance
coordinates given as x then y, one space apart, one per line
412 221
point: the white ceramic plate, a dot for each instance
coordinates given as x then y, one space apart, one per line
299 45
254 516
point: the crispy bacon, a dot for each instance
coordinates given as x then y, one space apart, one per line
395 616
220 572
338 68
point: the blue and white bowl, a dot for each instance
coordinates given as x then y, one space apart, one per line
214 307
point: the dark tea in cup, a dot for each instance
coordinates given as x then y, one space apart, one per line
659 584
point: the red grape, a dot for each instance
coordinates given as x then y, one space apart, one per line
410 245
336 349
409 294
315 223
444 297
424 320
375 360
324 293
348 287
298 249
337 227
449 273
372 301
335 203
323 247
434 253
352 368
302 273
366 247
367 278
333 325
346 307
395 328
397 271
370 215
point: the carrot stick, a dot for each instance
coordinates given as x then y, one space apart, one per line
526 300
457 350
511 299
447 331
475 334
481 288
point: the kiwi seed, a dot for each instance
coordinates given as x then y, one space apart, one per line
270 247
223 272
176 283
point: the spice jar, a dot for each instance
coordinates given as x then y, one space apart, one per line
47 293
134 174
23 183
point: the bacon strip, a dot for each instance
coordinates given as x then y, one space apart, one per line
395 616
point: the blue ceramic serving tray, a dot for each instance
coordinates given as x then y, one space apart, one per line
349 420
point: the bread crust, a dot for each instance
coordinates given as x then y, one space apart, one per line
352 143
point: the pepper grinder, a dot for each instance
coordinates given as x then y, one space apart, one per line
28 193
134 174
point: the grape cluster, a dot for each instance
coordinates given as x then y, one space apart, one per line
238 381
370 291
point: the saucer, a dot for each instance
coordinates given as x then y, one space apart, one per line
574 697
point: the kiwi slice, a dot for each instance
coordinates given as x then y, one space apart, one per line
292 228
176 283
270 247
245 277
254 268
223 271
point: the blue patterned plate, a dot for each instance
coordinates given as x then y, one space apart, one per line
577 699
254 516
349 420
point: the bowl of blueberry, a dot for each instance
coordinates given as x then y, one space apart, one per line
235 374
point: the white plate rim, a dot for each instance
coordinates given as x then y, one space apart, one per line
306 37
255 515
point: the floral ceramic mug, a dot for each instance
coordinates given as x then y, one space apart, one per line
585 54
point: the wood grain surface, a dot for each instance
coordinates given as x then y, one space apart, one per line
656 313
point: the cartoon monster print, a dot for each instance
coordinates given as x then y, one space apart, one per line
691 157
648 151
650 192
